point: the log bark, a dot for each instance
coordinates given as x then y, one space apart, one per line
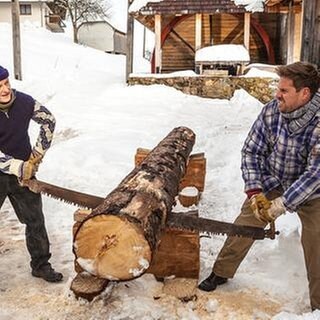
117 240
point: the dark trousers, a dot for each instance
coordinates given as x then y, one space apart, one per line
235 248
28 208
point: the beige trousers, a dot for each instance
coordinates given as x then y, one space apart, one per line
235 248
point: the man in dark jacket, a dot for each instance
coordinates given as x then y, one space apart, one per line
281 171
19 162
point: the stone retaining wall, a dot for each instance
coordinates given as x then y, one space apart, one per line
214 87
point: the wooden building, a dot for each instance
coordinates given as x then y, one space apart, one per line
103 36
273 35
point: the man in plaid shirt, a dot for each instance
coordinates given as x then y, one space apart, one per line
281 170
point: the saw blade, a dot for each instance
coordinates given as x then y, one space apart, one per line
69 196
181 221
185 221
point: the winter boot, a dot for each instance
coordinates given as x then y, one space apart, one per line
46 272
212 282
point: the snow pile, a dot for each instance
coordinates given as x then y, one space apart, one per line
223 52
251 5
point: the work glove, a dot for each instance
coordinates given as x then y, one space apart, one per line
277 208
265 210
35 157
24 170
28 170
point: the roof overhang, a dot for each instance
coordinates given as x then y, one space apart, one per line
170 8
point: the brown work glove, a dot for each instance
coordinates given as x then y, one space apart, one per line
35 157
265 210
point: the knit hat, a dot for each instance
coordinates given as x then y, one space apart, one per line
4 74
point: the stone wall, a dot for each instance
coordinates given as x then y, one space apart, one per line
213 87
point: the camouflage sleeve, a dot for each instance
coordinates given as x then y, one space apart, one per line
46 120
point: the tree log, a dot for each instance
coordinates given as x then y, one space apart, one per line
117 240
87 286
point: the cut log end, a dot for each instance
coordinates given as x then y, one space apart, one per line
110 247
87 286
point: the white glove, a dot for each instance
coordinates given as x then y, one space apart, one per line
276 209
24 170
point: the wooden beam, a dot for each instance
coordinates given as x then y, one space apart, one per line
198 31
297 36
294 34
290 36
16 39
247 16
157 29
311 32
129 43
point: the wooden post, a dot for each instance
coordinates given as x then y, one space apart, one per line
297 35
290 35
293 34
247 30
129 44
198 31
311 32
117 240
157 30
15 14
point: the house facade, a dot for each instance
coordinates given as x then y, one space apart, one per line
103 36
34 11
272 34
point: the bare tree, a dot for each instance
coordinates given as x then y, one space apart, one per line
81 11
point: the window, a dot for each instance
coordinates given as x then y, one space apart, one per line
25 9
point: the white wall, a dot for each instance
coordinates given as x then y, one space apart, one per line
98 35
5 12
120 43
141 65
38 13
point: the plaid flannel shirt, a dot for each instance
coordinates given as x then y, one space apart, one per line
273 156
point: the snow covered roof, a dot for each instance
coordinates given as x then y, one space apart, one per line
138 4
251 5
151 7
195 6
26 1
223 53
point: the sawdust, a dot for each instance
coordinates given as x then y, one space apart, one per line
243 305
21 294
41 303
181 288
235 305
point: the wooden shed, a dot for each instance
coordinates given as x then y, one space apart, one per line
103 36
272 34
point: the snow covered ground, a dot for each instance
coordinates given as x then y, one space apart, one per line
100 124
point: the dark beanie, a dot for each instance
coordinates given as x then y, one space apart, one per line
4 74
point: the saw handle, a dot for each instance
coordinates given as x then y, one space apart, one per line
271 232
31 184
